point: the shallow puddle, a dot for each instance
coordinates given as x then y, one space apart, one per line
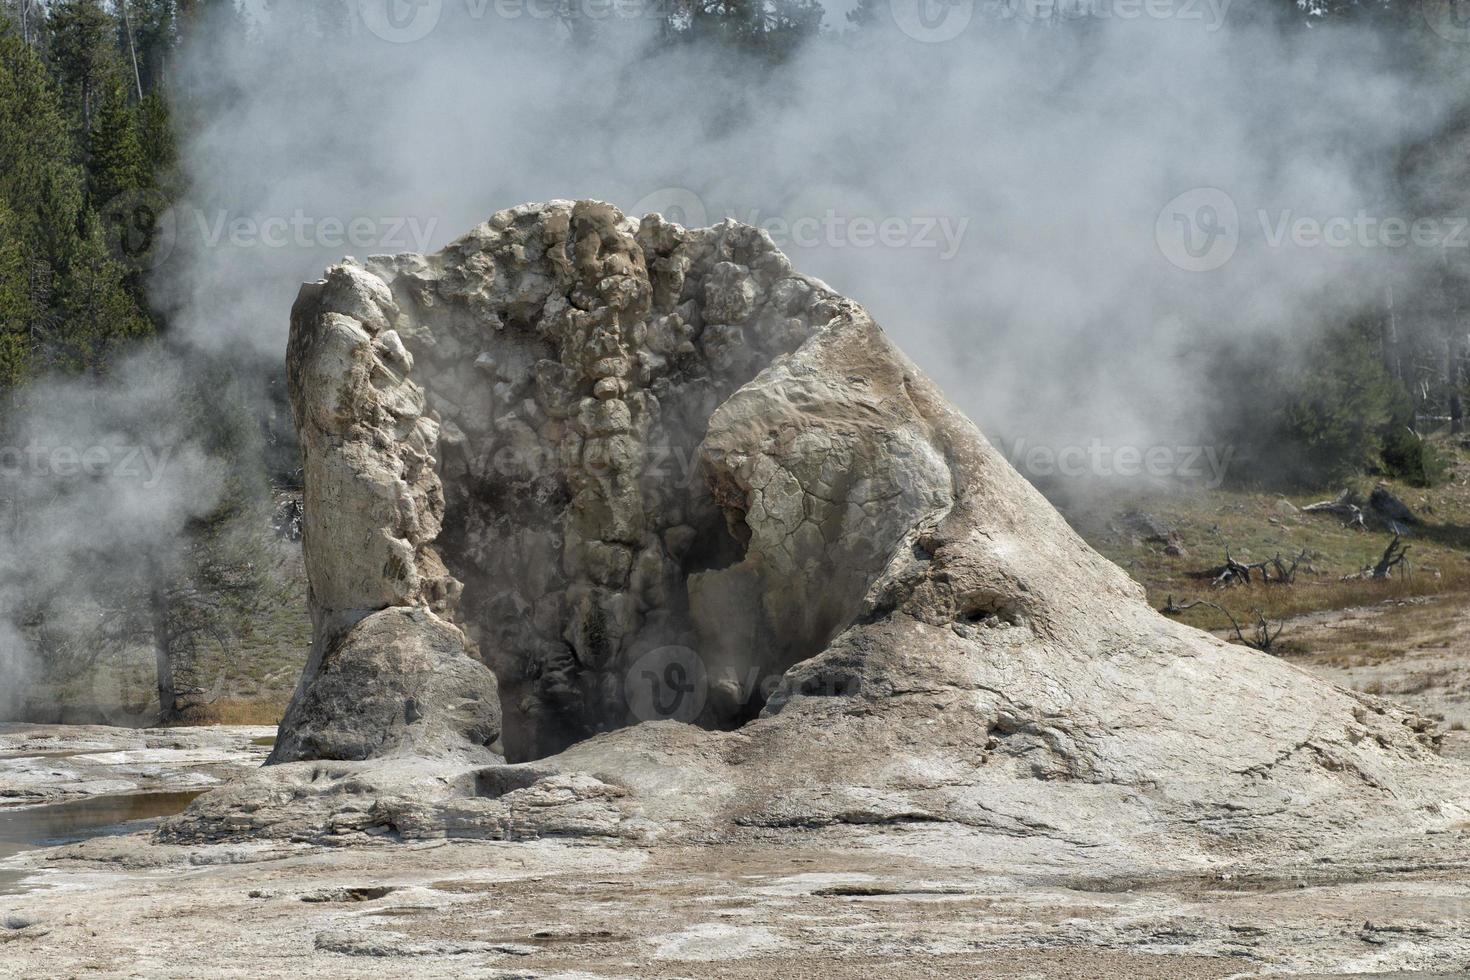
77 820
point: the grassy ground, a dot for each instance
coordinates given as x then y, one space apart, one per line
1257 525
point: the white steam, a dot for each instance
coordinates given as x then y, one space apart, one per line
1012 181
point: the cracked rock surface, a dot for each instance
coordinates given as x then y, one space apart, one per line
627 472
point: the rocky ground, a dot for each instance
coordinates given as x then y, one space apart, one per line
909 901
42 764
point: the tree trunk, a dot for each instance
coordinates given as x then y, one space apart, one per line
1391 360
1457 381
1449 378
168 707
122 5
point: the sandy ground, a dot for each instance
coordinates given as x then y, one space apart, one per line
1414 651
906 901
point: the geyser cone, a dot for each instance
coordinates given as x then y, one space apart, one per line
682 484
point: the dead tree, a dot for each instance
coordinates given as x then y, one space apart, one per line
1230 573
1285 574
1263 635
1394 556
1342 506
1235 572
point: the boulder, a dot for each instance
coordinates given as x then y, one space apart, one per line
398 683
1393 512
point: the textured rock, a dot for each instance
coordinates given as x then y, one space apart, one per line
396 683
681 481
561 365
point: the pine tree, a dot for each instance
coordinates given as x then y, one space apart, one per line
28 18
115 159
97 314
78 302
156 134
83 54
768 29
37 179
16 313
155 32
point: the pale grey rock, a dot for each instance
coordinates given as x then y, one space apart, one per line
396 683
699 488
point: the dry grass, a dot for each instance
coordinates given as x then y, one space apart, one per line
234 712
1277 602
1256 525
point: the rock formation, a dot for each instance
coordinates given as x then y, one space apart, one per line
652 474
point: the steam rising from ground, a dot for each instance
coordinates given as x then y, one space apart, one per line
97 482
1017 176
998 200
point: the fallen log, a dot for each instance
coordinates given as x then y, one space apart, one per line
1231 573
1235 572
1342 506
